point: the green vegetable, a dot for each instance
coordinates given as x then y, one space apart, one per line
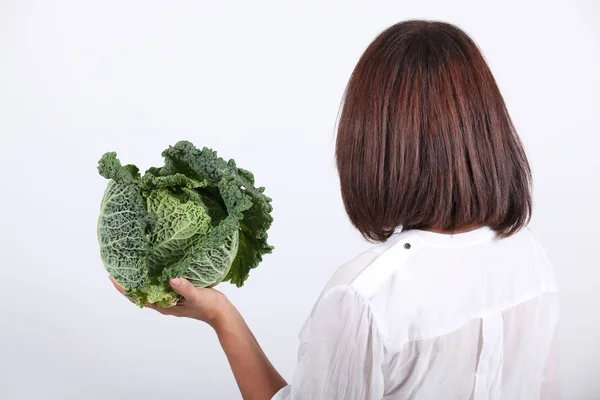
197 217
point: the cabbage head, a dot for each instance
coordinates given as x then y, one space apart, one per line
197 217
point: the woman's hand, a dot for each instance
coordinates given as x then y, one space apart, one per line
255 376
208 305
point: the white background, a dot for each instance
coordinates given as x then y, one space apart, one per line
260 82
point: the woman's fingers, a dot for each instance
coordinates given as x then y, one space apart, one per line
182 302
179 285
163 311
174 311
183 287
117 286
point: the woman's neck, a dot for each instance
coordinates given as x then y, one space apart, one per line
454 232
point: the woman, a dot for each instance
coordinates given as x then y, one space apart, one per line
458 301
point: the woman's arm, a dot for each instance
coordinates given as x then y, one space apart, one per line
255 375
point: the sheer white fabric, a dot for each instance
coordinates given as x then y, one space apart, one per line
431 316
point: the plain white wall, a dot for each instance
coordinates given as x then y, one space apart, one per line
260 82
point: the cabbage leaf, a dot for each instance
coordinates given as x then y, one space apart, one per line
198 217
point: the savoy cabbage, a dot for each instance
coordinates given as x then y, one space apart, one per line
197 217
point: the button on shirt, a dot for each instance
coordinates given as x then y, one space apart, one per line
434 316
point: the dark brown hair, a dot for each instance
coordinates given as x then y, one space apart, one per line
425 140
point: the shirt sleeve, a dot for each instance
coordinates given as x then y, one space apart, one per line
342 354
550 384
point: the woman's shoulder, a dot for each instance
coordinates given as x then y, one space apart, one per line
347 273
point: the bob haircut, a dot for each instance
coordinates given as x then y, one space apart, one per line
425 140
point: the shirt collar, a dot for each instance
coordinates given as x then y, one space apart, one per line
450 240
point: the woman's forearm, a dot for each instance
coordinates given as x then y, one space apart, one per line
254 373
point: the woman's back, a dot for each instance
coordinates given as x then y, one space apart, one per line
425 144
445 316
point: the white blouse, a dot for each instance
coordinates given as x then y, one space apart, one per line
433 316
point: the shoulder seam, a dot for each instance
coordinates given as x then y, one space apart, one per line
378 271
366 302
